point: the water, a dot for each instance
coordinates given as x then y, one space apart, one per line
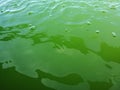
60 44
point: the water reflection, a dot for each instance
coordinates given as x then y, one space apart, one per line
11 79
71 79
100 85
110 53
24 82
53 43
73 43
60 41
107 52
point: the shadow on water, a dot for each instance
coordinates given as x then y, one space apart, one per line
11 79
108 53
100 85
71 79
73 43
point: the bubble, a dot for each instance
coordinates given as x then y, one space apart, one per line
63 5
32 27
97 31
67 30
89 23
114 34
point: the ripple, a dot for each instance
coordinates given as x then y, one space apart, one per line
14 6
49 10
33 29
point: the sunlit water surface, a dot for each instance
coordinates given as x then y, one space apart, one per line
66 44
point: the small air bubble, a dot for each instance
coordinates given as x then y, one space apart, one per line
88 23
63 5
32 27
114 34
67 30
97 31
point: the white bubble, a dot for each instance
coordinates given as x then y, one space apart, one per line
97 31
114 34
89 23
32 27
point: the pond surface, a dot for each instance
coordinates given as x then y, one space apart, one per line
60 44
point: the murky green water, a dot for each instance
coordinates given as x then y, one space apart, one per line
60 44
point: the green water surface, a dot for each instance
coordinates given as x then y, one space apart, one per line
59 44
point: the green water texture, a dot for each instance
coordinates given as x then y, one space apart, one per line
59 44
